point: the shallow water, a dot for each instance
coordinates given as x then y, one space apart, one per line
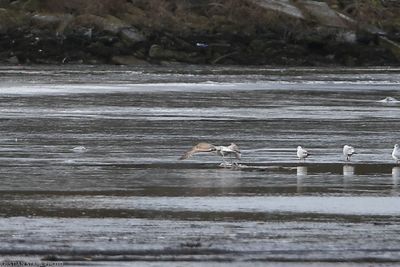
89 165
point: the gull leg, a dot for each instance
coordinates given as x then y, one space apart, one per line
225 162
233 163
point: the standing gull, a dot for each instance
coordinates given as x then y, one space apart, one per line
396 153
222 151
302 153
348 151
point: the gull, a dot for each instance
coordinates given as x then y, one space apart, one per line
199 148
79 149
389 100
348 151
302 153
231 150
396 153
221 151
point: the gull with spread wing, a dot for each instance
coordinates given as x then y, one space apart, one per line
222 151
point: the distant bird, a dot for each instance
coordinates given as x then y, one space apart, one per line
396 153
389 100
222 151
79 149
202 45
302 153
348 151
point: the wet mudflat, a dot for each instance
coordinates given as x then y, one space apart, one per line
125 200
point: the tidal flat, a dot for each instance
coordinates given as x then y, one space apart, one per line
90 174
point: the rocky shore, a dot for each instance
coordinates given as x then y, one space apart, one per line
250 32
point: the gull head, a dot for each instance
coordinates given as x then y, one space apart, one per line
348 147
396 146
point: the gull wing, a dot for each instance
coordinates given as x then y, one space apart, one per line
303 153
348 150
235 149
200 147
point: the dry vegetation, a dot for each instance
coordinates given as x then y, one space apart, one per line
217 15
382 13
95 7
172 15
212 15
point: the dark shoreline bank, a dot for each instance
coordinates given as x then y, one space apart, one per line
238 32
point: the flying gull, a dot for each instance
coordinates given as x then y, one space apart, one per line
222 151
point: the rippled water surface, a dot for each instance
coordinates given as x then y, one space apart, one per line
90 171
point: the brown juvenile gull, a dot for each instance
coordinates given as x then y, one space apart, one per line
199 148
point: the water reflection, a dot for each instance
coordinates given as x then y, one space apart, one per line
200 181
128 187
348 170
301 173
396 177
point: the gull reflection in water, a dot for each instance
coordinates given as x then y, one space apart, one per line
396 176
301 173
348 170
